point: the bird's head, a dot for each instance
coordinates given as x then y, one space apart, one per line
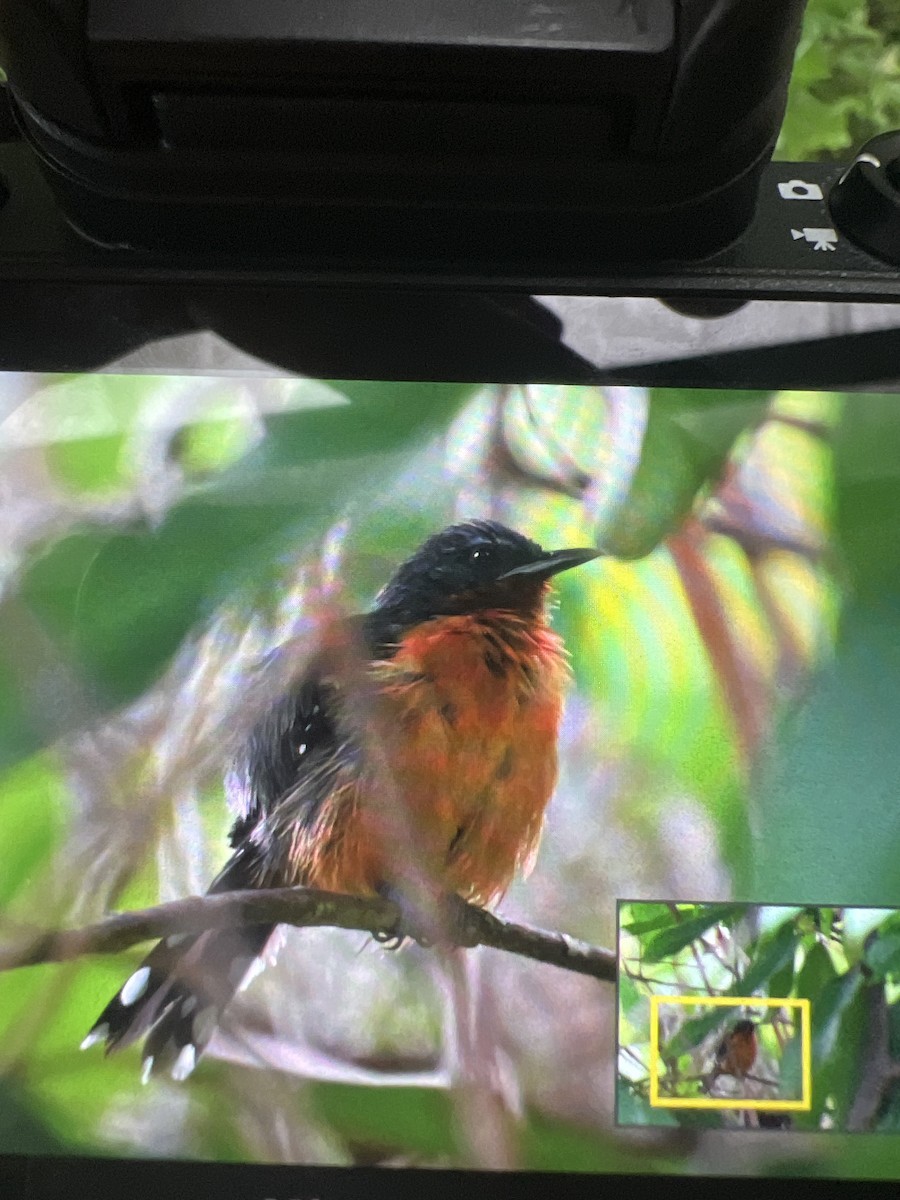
473 567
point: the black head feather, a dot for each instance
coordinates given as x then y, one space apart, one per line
469 567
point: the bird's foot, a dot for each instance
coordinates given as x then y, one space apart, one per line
445 921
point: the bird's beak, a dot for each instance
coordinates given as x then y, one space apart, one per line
551 563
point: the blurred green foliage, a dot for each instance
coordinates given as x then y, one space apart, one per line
121 597
845 86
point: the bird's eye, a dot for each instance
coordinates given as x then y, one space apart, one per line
479 556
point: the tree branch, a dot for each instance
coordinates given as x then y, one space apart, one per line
299 907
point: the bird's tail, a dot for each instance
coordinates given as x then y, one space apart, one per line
177 995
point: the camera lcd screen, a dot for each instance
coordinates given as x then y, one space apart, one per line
669 770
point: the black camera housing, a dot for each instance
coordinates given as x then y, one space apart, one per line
477 137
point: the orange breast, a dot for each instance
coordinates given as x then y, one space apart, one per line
462 763
472 708
743 1051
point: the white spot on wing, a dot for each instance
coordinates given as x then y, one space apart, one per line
147 1069
135 987
188 1006
95 1036
184 1063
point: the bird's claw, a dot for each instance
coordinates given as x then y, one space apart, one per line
390 939
446 922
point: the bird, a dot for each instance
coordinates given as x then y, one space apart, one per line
736 1053
456 712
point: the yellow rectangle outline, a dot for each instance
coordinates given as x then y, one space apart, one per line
804 1104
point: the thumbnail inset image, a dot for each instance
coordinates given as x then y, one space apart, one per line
721 1053
741 1016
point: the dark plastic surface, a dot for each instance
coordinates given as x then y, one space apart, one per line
773 259
584 24
865 201
410 137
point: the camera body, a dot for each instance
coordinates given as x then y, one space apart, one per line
482 138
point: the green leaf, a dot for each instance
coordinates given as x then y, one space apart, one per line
629 995
769 958
89 464
632 1109
645 918
866 448
21 1129
842 1156
830 788
32 807
844 87
847 1059
44 1014
86 422
833 999
817 981
838 1019
211 445
551 1145
882 955
688 436
668 942
790 1073
399 1119
782 981
118 602
816 973
423 1122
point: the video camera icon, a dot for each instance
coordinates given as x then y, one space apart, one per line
819 239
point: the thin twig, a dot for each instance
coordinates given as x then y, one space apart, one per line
633 1054
762 1079
710 990
711 948
299 907
649 980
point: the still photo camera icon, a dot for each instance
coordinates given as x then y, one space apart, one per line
748 1016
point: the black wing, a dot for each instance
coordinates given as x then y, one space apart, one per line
177 995
297 729
296 754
